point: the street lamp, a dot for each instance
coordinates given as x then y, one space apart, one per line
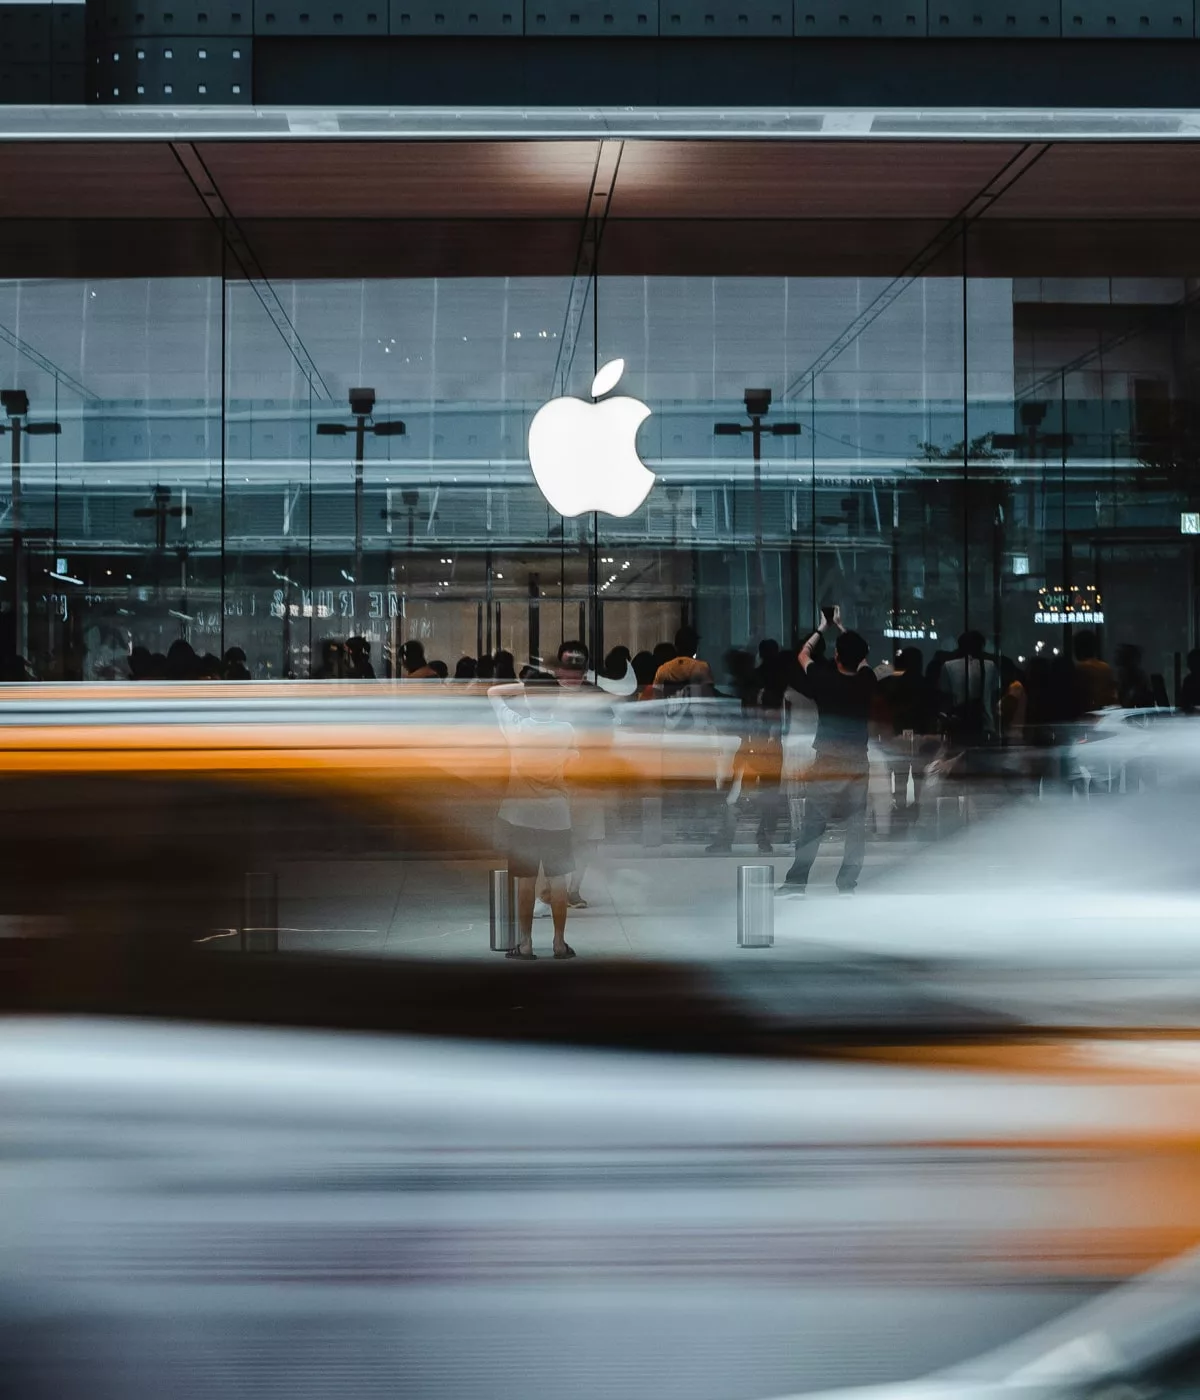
362 407
15 402
758 404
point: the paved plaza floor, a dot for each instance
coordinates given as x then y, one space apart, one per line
675 902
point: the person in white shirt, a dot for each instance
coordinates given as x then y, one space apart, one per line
534 825
967 687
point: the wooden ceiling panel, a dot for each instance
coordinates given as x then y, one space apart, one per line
94 180
1131 180
803 180
434 179
288 248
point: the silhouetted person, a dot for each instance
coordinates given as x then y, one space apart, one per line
907 726
836 784
439 669
15 668
534 823
1189 690
771 675
332 666
616 662
182 662
644 669
967 687
358 659
209 667
1134 690
413 665
157 670
485 668
662 653
233 665
139 664
760 683
1095 683
587 810
505 665
466 668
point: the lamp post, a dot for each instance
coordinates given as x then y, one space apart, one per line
758 404
362 408
15 402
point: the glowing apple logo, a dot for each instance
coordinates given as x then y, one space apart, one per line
584 455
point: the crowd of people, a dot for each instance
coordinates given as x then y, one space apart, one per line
968 712
183 663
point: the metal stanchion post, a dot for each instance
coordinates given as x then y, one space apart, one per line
503 912
756 906
260 913
951 813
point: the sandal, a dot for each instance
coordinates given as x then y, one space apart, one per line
566 951
515 955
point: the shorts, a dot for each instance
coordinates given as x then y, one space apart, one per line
528 848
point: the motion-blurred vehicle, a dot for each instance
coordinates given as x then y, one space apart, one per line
1142 1339
132 815
215 1211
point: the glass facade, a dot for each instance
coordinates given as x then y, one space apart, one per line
995 432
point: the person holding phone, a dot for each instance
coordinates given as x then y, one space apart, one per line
837 782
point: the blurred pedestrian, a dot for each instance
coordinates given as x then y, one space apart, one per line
358 659
1189 690
967 690
534 824
332 663
837 782
182 662
643 670
233 665
907 729
1095 681
685 677
466 668
1134 691
505 666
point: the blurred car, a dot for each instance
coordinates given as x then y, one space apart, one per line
205 1210
1142 1339
1073 902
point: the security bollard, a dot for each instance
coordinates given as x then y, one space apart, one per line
756 906
951 814
260 913
503 912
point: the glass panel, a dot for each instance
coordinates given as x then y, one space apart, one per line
377 436
114 519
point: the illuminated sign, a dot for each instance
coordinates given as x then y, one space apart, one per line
584 455
904 625
1189 522
1069 605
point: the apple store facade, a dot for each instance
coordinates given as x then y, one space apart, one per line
262 393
